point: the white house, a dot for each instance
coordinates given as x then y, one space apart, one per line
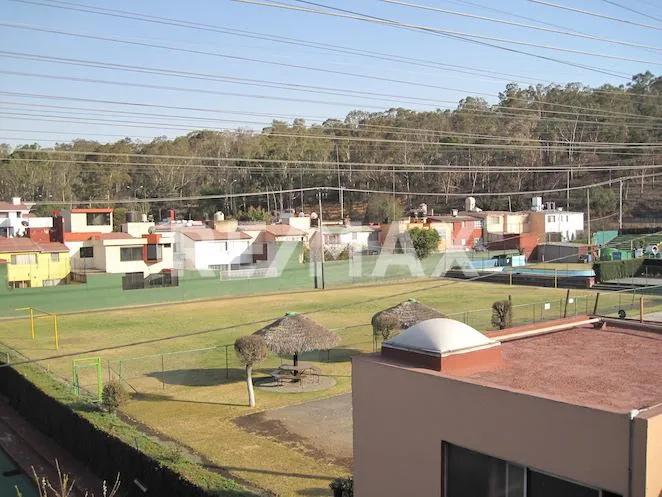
87 220
208 249
557 223
359 238
13 218
122 253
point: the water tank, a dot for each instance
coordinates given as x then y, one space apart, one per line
454 212
470 204
536 204
143 218
132 217
219 216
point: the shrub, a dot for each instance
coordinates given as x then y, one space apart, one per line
424 241
342 487
502 314
113 396
385 326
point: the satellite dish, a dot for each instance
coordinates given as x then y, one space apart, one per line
151 230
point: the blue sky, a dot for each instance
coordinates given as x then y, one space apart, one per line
30 127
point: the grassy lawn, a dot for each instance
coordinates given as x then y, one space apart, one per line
195 404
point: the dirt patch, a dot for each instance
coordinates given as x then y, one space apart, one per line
322 428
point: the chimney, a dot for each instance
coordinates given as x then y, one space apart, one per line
454 212
16 200
171 215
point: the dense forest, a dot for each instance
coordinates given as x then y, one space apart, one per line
534 138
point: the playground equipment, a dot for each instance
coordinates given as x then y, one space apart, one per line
86 363
35 313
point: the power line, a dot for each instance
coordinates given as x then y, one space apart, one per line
500 115
630 9
522 25
137 16
471 38
402 130
349 189
595 14
595 149
269 97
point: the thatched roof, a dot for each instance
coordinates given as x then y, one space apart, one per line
406 313
295 333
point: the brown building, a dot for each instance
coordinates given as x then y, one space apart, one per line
568 408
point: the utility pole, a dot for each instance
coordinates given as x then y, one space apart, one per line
588 212
319 220
567 191
340 192
620 205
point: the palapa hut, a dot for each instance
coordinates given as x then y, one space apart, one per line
402 316
295 333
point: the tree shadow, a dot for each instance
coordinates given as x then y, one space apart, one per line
339 354
315 492
155 397
199 377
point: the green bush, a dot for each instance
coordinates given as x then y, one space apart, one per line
425 241
113 396
612 270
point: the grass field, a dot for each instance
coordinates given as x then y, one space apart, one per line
195 404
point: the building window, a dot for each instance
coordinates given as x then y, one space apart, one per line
19 284
50 282
131 254
469 473
154 252
551 219
55 257
86 252
98 219
24 259
478 224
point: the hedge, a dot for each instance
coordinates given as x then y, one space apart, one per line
102 452
612 270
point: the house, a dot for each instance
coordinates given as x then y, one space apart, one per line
87 220
122 253
570 408
358 238
266 243
466 230
554 224
13 218
31 264
208 249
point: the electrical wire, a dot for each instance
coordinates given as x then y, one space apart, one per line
576 34
595 14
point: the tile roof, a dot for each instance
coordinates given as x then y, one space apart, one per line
284 230
8 206
28 245
203 234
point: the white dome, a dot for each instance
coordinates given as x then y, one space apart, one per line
439 336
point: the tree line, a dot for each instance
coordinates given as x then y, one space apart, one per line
444 151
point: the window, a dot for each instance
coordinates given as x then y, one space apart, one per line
86 252
50 282
98 219
131 254
478 224
154 252
24 259
19 284
551 219
469 474
55 257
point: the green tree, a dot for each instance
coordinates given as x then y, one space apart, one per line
425 241
383 209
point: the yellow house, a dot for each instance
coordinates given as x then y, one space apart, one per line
34 264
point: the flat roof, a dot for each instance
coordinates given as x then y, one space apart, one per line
616 368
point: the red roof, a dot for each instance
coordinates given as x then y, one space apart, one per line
28 245
79 237
115 235
284 230
201 234
92 210
8 206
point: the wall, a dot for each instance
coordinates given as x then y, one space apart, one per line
44 269
402 416
114 264
76 222
221 252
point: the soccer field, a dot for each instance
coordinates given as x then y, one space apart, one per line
184 388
